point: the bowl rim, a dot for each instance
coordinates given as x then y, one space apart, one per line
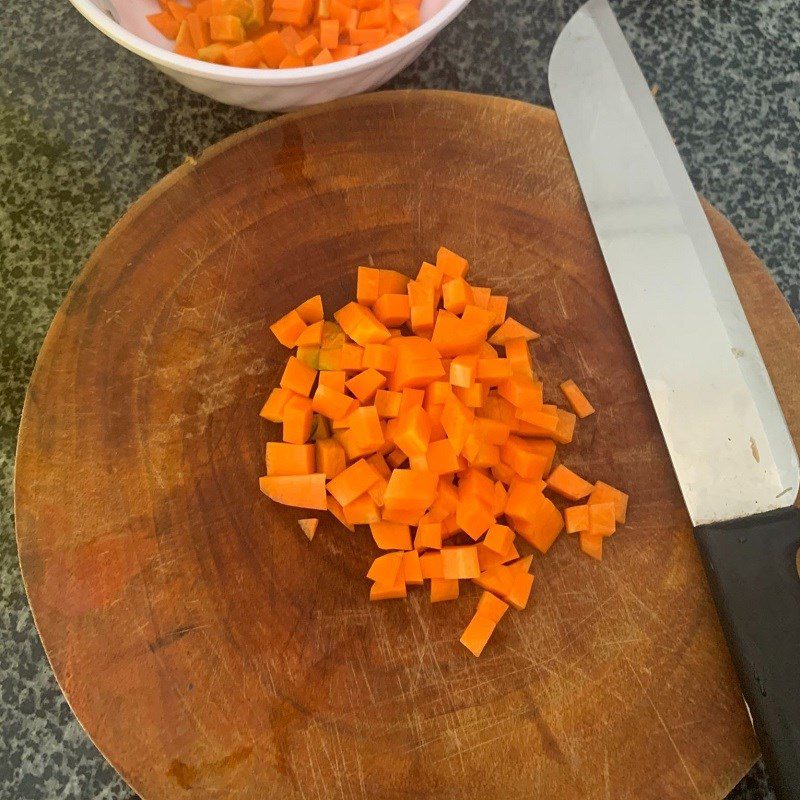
263 77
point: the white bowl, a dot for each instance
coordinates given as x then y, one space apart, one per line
261 89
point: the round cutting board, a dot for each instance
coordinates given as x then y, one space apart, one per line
207 647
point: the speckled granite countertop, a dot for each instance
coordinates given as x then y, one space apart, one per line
82 136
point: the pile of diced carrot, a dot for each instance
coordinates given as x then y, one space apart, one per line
278 34
429 425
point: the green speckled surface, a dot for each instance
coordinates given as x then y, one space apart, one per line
86 127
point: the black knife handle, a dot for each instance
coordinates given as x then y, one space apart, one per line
752 569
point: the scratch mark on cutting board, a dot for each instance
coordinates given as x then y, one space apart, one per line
664 726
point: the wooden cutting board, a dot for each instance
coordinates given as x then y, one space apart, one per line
208 649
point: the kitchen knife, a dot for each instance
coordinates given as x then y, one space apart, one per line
727 437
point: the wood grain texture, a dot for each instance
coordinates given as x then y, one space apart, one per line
208 649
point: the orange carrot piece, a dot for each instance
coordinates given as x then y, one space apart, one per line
442 458
431 275
388 403
406 516
198 30
309 527
511 329
460 562
418 362
344 51
384 569
491 607
474 517
362 511
237 8
524 497
288 328
336 509
245 54
214 53
374 18
411 398
329 35
520 591
330 458
603 493
365 426
565 429
351 357
311 310
428 536
457 421
443 589
497 578
409 490
543 530
477 634
302 491
499 538
522 564
566 483
165 23
312 335
481 296
457 295
226 28
378 463
392 309
407 14
499 503
289 459
323 57
380 357
369 36
602 519
523 459
361 325
476 483
412 571
519 356
395 458
297 417
431 565
297 377
592 545
493 370
463 371
273 51
353 482
413 431
365 385
391 535
491 431
577 399
451 264
498 305
437 392
545 422
576 519
332 404
276 402
394 591
307 47
334 379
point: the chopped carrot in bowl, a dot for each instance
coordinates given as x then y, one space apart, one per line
418 412
279 34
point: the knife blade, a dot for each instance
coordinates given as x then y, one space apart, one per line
723 426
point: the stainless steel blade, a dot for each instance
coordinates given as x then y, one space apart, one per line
723 426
